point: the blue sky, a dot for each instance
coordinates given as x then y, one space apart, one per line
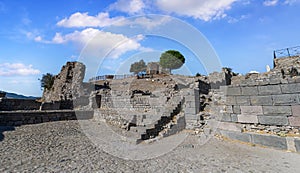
38 37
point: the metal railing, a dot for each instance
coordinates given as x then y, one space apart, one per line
288 52
105 77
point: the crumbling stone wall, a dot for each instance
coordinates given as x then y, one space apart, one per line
68 84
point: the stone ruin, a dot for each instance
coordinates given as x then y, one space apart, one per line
259 108
68 84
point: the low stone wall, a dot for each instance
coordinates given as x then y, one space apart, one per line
17 118
273 141
18 104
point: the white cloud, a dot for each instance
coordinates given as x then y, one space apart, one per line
237 19
84 20
99 42
145 22
17 69
128 6
290 2
199 9
270 2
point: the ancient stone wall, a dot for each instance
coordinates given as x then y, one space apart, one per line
68 84
17 118
264 112
18 104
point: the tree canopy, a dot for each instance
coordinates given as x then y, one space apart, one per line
171 59
47 81
138 67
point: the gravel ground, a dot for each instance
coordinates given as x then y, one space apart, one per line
63 147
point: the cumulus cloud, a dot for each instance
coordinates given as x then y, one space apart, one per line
99 42
270 2
85 20
199 9
128 6
17 69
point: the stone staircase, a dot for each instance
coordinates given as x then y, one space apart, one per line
169 117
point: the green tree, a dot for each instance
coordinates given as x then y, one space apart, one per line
47 81
198 74
138 67
171 59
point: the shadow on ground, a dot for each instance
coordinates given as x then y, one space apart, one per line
3 129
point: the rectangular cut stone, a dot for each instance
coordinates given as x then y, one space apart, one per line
250 91
251 110
270 141
228 109
269 89
236 109
189 98
230 100
226 117
290 88
261 100
294 121
190 104
230 126
234 118
284 110
273 120
296 110
245 137
233 91
243 100
247 118
191 117
297 144
190 110
291 144
285 99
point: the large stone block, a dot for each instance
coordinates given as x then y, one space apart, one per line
270 141
269 89
234 118
247 118
249 91
190 110
297 144
191 117
296 110
230 126
236 109
290 88
261 100
245 137
294 121
243 100
276 110
273 120
251 110
230 100
190 104
285 99
228 109
233 91
226 117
